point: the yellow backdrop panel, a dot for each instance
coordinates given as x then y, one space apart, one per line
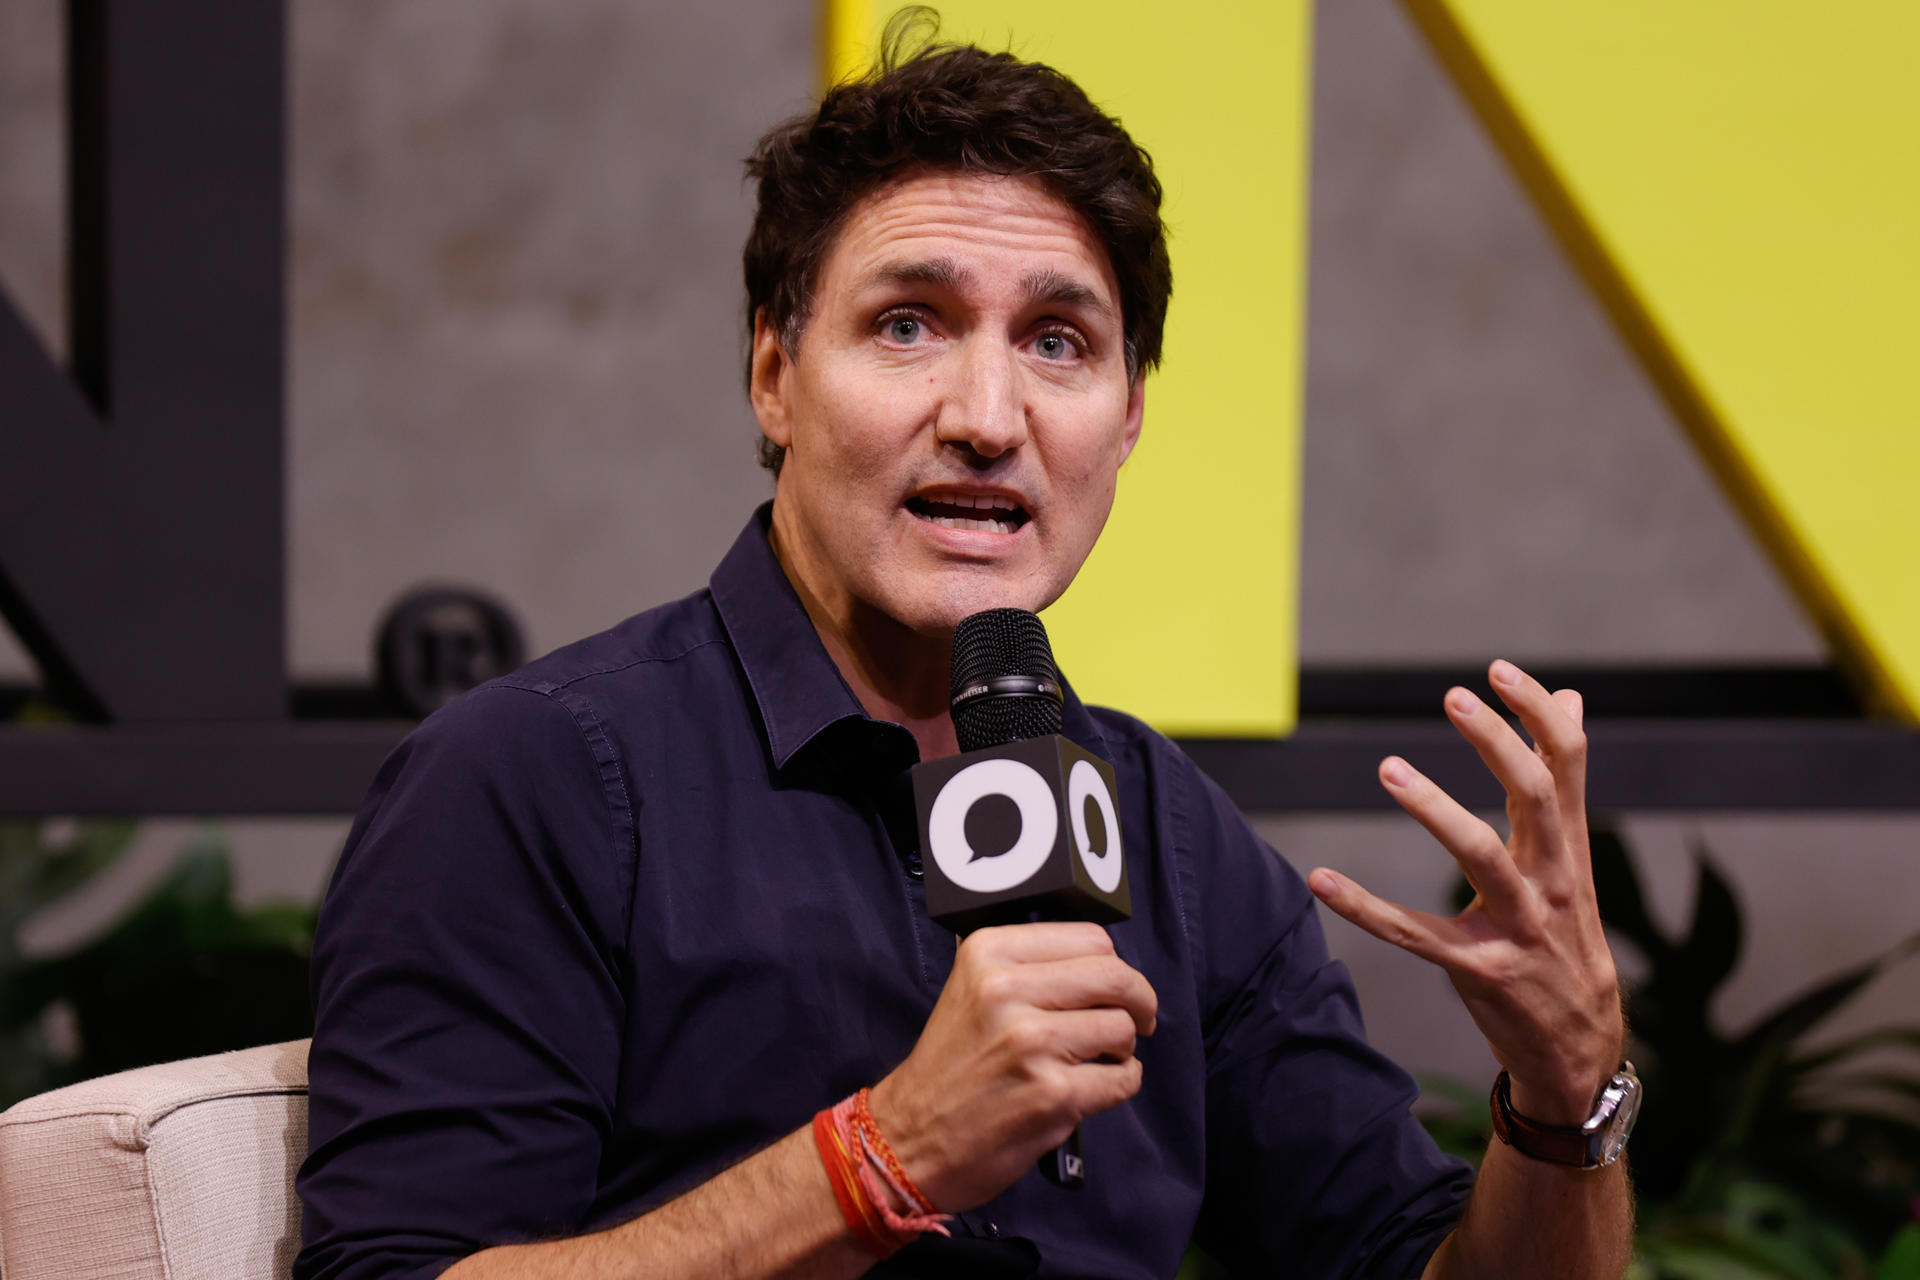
1185 615
1741 182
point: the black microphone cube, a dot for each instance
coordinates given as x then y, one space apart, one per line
1022 831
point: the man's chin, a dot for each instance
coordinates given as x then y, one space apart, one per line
939 615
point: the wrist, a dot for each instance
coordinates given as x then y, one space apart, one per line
1563 1093
1563 1106
917 1154
883 1208
1595 1142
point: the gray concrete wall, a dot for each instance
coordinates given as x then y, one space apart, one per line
1487 471
515 342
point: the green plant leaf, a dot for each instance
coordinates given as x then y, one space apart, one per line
1700 1260
1764 1086
1464 1125
1756 1228
1623 906
1833 1054
182 973
1721 1112
1855 1083
1712 947
1798 1016
34 873
1456 1093
1772 1223
99 844
1902 1258
1858 1168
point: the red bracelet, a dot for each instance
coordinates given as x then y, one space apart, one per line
877 1146
867 1227
862 1166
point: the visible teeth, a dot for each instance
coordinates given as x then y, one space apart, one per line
976 526
989 503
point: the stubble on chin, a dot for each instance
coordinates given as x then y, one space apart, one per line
944 607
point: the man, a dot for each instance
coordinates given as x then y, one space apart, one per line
608 932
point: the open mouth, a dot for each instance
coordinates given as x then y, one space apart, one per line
987 514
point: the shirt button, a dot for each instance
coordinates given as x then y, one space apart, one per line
914 868
993 1230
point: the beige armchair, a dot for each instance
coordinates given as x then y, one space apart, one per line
182 1171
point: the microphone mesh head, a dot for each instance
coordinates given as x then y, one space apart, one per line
1002 642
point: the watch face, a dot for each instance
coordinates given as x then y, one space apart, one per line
1624 1094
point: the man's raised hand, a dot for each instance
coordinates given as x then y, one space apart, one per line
1034 1030
1528 955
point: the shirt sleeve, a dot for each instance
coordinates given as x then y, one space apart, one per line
1315 1164
467 993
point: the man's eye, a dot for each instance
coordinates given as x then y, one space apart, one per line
1054 346
904 329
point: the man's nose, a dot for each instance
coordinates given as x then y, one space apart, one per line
985 407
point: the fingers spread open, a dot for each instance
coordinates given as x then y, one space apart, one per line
1554 723
1477 847
1529 783
1430 937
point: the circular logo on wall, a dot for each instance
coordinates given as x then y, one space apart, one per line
1096 827
962 842
435 643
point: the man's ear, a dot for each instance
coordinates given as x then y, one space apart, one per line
1136 415
767 383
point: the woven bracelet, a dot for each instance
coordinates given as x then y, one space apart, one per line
867 1168
862 1218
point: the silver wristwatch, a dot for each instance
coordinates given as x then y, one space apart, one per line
1592 1145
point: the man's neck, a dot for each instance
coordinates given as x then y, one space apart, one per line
897 674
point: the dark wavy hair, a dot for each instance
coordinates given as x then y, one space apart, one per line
925 106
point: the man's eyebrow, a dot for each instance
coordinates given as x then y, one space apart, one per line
942 273
1051 286
1038 288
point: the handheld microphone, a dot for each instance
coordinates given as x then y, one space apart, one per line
1023 824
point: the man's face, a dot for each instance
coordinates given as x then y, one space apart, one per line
957 410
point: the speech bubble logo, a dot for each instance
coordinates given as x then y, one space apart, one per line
955 854
1088 797
992 825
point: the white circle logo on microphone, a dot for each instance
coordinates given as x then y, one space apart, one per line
1084 783
947 825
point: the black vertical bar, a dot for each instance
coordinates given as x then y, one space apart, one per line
195 216
88 84
142 540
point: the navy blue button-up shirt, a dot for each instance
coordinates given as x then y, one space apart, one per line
609 924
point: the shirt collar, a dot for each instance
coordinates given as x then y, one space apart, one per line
799 691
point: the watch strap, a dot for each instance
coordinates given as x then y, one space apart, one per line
1556 1144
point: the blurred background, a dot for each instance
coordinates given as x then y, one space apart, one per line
514 344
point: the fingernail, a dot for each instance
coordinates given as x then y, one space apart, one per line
1396 772
1506 673
1579 710
1324 883
1463 702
